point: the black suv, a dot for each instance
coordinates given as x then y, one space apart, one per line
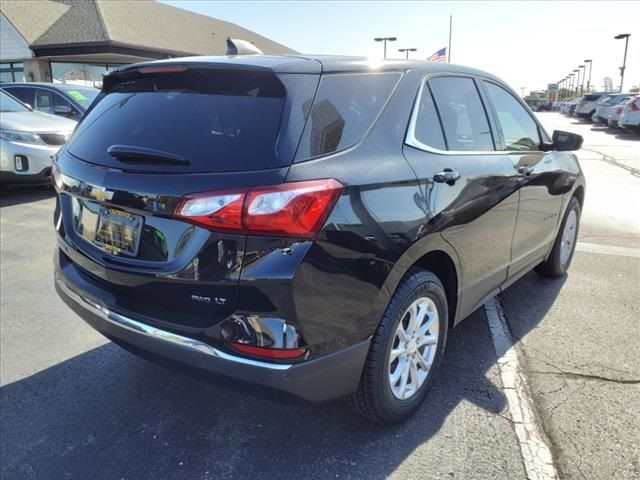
313 225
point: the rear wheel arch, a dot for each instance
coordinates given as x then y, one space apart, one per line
430 253
579 194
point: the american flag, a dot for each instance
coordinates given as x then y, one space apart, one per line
439 56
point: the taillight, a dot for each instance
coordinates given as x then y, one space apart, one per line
271 353
634 106
619 110
295 209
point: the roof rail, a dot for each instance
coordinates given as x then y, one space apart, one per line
237 46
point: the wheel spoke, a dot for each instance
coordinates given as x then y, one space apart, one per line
395 353
413 319
427 340
423 363
403 380
413 368
427 325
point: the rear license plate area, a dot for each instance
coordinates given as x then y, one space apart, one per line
118 232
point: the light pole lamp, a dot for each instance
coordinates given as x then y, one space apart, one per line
624 62
584 72
384 40
590 62
407 50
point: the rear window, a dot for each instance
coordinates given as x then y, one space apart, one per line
345 106
591 98
216 120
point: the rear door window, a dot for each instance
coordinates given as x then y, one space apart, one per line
519 130
217 120
24 94
464 119
345 107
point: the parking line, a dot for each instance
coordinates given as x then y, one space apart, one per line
536 455
608 249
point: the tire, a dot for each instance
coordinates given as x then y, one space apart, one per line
375 398
559 261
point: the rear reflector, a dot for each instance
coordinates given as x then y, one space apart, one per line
295 209
272 353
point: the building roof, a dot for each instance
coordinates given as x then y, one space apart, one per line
141 24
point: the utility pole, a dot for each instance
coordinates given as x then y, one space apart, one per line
450 29
385 40
590 62
407 50
624 62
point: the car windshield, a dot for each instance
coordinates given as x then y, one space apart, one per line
10 104
83 96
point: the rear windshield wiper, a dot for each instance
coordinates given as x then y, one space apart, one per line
131 153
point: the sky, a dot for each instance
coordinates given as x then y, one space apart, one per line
527 44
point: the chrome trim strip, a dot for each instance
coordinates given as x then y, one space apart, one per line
412 141
163 335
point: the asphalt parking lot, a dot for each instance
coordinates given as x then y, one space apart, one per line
73 405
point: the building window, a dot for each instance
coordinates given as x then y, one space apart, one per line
11 72
81 74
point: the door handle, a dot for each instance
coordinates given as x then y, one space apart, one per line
525 170
447 176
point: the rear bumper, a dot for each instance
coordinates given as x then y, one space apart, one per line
321 379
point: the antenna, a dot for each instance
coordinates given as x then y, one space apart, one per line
237 46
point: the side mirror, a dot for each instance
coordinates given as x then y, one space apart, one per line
564 142
62 110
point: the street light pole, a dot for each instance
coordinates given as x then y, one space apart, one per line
577 79
590 62
385 40
522 88
584 72
407 50
624 62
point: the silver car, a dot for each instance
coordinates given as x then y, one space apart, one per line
28 140
607 105
630 117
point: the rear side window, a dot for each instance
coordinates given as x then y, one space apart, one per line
518 128
463 115
25 95
345 106
218 120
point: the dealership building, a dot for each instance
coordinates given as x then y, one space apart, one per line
77 41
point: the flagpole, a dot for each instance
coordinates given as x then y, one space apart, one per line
449 50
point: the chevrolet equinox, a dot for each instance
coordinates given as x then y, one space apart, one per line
311 226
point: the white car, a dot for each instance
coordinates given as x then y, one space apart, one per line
630 117
607 105
28 140
587 105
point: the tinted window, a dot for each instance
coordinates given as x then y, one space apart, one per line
344 108
427 125
217 121
23 94
59 101
591 98
518 128
463 116
8 104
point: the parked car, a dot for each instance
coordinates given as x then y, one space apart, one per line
614 116
607 105
571 107
28 139
307 224
68 101
545 107
630 116
564 108
586 106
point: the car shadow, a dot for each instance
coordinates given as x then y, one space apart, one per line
20 195
108 414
